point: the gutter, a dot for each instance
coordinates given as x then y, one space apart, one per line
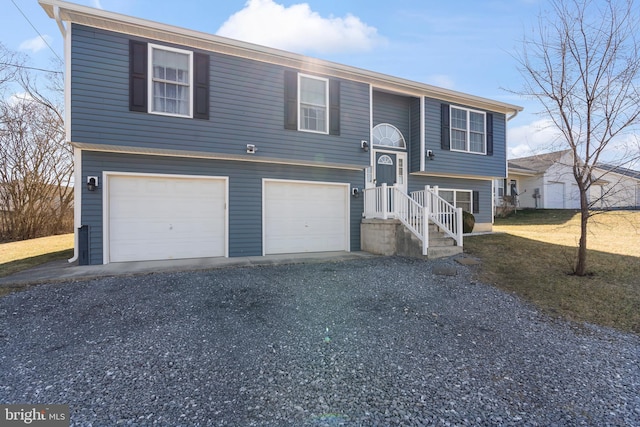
77 178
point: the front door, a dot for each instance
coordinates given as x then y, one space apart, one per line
386 169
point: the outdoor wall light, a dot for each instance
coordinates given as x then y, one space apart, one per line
430 154
92 183
364 145
355 192
251 149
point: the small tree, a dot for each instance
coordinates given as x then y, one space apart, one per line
583 65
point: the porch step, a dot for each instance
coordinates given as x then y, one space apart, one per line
391 237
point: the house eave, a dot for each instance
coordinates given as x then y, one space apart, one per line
121 149
125 24
452 175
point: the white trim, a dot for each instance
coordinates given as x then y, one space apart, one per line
347 187
468 130
105 203
107 148
198 40
370 183
77 153
455 198
150 47
77 201
326 110
422 134
379 125
459 176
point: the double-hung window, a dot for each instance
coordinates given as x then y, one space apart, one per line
458 198
313 101
170 83
468 131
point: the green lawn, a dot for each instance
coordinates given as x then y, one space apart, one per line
534 254
17 256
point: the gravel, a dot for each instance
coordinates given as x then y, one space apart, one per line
373 342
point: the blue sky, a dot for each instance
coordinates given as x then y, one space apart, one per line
464 45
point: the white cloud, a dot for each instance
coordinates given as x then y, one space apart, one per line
298 28
19 97
536 137
35 44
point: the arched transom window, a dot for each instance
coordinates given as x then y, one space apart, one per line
388 136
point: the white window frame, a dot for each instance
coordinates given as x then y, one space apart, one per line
455 197
467 131
326 106
150 79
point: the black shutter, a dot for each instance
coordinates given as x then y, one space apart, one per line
201 86
137 76
445 140
334 107
489 134
476 202
290 100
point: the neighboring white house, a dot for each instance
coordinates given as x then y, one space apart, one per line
546 181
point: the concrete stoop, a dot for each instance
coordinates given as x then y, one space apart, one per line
391 237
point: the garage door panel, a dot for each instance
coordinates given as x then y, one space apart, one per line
305 217
166 218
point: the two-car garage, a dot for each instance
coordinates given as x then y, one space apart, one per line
159 217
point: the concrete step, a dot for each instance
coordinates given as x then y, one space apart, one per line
443 251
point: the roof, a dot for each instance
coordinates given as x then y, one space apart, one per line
97 18
538 163
620 170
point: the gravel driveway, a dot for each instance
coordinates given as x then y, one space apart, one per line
381 341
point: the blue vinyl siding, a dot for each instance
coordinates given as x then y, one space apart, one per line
414 149
246 107
485 214
245 193
467 164
395 110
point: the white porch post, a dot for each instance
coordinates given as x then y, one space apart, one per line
385 201
459 226
425 222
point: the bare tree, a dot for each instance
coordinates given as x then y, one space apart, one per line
36 197
583 65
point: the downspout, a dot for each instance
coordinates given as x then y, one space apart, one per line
513 116
77 154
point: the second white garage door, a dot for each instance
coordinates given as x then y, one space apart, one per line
152 217
305 217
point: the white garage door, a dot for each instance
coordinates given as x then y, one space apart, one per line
554 193
160 217
305 217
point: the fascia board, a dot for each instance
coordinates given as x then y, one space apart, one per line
111 21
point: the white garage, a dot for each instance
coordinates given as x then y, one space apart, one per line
302 216
159 217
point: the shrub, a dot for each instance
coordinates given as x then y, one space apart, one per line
468 221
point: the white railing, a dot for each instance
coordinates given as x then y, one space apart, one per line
442 213
415 211
413 216
379 202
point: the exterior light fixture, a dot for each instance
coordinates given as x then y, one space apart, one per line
92 183
430 154
364 145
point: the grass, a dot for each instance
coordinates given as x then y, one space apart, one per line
17 256
534 255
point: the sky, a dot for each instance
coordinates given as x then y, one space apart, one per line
463 45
